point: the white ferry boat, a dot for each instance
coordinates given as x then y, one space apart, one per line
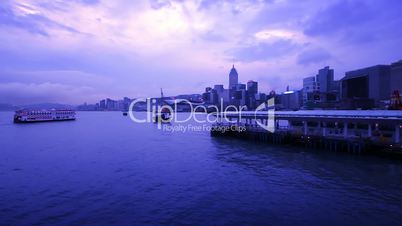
25 116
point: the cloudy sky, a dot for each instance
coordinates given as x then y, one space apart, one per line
76 51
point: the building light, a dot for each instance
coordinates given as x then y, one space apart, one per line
288 92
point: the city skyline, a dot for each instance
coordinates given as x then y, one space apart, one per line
124 49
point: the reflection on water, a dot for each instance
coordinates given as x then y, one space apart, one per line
104 169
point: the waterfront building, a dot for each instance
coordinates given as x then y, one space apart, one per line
321 91
111 105
324 80
102 105
126 104
309 90
291 100
88 107
396 77
367 87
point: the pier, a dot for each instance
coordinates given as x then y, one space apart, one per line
334 130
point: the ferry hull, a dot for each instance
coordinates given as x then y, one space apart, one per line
35 121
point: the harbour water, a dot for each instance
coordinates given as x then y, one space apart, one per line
104 169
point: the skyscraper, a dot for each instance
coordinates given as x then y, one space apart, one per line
396 77
309 88
324 80
252 90
233 78
252 87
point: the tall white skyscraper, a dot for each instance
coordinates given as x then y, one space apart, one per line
233 78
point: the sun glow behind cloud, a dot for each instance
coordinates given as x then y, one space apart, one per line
275 35
24 9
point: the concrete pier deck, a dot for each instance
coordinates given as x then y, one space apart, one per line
352 131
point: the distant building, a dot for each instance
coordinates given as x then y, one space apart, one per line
215 96
233 78
224 96
324 80
396 76
260 98
111 105
190 97
252 87
367 88
252 91
309 90
218 88
206 96
321 91
239 95
241 86
239 98
291 100
210 96
126 103
102 105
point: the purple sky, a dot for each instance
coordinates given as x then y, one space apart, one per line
74 51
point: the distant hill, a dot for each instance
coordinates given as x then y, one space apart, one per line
7 107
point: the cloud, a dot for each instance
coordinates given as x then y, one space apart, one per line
263 50
89 2
20 93
213 36
72 78
29 18
157 4
357 22
341 16
313 55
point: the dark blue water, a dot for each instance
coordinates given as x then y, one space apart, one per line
103 169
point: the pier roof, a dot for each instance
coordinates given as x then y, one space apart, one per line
324 115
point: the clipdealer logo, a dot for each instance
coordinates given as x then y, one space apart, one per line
166 114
